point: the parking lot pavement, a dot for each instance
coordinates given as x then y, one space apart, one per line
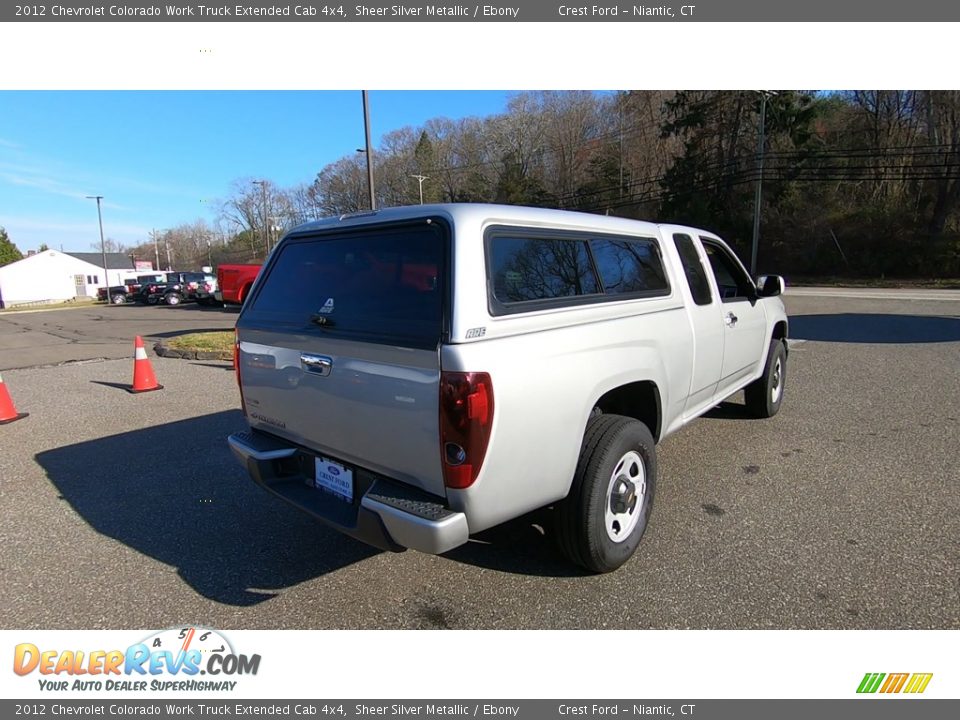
50 337
843 511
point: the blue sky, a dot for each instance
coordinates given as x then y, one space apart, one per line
161 158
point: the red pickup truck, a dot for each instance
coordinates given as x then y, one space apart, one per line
234 282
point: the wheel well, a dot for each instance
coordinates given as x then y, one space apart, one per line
779 331
638 400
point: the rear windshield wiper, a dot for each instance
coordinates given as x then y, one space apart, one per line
322 320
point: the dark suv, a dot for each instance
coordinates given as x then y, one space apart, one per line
179 287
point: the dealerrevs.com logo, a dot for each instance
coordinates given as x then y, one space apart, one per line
910 683
173 659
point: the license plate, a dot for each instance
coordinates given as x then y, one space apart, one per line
333 477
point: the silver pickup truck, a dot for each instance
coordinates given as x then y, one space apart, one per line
416 375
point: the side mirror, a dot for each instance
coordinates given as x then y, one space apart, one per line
770 286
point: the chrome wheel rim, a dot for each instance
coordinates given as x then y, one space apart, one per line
776 381
625 496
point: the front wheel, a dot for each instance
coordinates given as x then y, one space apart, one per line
600 523
172 299
765 394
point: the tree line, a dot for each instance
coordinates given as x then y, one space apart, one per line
859 183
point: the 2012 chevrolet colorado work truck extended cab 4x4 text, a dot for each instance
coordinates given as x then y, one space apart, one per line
415 375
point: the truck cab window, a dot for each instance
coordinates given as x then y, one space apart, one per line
732 282
693 269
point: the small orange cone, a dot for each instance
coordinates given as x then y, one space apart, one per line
8 413
143 378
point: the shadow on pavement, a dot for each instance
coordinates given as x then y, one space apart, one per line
524 546
875 328
175 493
118 386
727 410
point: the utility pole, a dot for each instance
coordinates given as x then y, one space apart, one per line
764 95
103 248
420 179
266 230
156 250
366 131
276 227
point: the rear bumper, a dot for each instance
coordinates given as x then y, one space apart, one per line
385 514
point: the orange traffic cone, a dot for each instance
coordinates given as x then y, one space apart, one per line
143 378
8 413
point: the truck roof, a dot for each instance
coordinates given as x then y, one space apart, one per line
479 213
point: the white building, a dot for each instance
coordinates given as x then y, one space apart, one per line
52 275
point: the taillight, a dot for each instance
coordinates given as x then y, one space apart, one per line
466 416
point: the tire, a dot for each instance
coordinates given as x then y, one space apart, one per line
600 523
172 299
118 299
765 394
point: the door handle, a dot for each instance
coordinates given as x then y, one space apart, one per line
318 364
730 319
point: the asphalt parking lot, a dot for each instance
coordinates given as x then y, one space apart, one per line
128 511
99 332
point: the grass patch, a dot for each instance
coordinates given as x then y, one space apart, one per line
214 341
65 305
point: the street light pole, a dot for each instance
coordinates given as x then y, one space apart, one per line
103 248
764 95
366 131
420 179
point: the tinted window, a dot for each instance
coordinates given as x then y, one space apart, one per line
693 269
370 285
630 266
527 269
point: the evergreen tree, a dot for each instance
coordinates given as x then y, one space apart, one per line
8 251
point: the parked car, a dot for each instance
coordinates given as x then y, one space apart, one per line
234 282
120 294
179 286
207 292
416 375
186 289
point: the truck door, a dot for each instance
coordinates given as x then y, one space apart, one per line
704 312
744 322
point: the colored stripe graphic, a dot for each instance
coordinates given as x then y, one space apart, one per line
918 683
894 683
870 682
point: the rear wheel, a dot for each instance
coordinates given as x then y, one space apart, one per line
765 394
172 299
118 298
600 523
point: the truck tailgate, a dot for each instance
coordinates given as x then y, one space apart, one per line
369 405
338 349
